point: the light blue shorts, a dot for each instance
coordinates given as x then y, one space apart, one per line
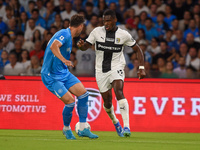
59 87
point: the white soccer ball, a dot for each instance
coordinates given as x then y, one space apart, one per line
77 127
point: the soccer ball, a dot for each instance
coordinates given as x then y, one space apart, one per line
77 127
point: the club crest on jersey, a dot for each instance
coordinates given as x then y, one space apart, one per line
117 40
94 104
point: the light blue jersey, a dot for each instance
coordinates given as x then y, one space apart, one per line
55 74
51 64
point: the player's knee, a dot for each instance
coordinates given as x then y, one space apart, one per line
68 100
108 104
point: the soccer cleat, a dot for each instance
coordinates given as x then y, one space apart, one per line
87 133
119 129
69 135
127 132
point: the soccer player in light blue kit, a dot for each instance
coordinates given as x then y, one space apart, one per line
57 78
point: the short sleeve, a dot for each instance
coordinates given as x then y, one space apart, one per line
129 40
91 38
61 37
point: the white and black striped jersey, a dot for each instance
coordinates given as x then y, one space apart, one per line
109 46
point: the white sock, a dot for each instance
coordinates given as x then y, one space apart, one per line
82 126
124 109
111 114
66 128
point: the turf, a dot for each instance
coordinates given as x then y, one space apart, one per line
54 140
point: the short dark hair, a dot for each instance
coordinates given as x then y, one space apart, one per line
109 12
77 20
89 4
35 10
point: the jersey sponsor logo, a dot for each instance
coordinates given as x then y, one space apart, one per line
110 39
61 37
94 104
68 50
103 46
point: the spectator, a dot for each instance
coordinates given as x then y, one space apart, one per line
178 9
28 45
179 40
192 59
161 65
164 54
89 10
93 24
50 14
38 50
184 23
41 8
29 32
12 30
196 9
4 60
31 6
121 8
8 15
182 51
2 8
169 71
192 29
129 14
85 62
181 70
25 59
17 8
39 21
190 41
141 35
3 25
189 4
160 5
153 11
36 36
139 7
133 72
18 49
113 6
160 25
53 29
168 38
61 7
154 48
66 23
77 5
169 17
58 22
22 22
68 13
143 17
46 40
175 26
147 55
13 68
191 72
7 44
34 68
101 7
150 31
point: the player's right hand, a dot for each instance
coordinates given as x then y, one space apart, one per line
80 43
68 63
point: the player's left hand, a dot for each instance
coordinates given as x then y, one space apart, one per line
68 63
141 73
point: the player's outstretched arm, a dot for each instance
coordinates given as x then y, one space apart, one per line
55 48
138 50
83 45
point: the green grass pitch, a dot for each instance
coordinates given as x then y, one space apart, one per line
54 140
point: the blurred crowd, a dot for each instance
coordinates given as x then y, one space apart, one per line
167 32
